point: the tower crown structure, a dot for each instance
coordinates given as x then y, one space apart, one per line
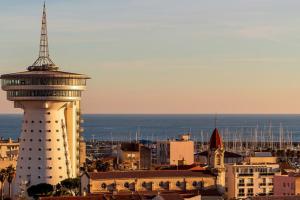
50 135
216 153
215 140
43 62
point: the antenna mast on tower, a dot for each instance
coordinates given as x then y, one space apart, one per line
43 62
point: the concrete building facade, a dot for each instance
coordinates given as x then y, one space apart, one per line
159 180
287 184
252 178
50 99
174 152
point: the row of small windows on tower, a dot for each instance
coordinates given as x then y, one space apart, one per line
25 130
40 140
39 167
47 177
39 158
40 149
48 113
26 121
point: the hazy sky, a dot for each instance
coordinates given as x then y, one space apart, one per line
164 56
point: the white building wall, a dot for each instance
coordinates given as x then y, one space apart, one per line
44 155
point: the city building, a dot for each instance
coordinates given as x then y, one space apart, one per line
50 99
147 180
216 159
9 149
174 152
82 152
253 177
134 156
287 184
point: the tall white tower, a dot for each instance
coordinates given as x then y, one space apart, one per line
49 145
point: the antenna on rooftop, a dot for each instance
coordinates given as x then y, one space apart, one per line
43 62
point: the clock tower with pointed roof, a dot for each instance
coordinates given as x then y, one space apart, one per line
216 159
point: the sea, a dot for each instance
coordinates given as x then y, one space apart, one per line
161 127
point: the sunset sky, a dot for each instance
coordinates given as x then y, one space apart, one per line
164 56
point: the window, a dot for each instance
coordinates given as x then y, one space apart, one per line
57 130
40 131
25 130
48 113
49 140
30 149
29 158
49 131
30 140
39 167
40 140
28 167
32 121
58 149
49 149
40 121
39 158
57 140
56 121
31 131
59 167
39 177
59 158
39 149
48 121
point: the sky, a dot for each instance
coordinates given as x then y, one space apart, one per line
164 56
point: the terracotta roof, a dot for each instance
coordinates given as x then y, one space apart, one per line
148 174
143 195
215 140
198 168
295 197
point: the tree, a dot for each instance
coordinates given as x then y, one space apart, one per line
72 185
3 177
11 172
40 190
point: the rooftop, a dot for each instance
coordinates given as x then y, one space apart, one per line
148 174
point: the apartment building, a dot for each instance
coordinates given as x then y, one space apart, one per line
253 177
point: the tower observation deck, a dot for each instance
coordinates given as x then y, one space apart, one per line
49 141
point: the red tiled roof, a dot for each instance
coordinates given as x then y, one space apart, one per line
215 140
149 174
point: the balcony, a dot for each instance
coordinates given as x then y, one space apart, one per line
270 183
246 174
249 184
262 194
267 173
263 184
241 184
241 194
250 194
